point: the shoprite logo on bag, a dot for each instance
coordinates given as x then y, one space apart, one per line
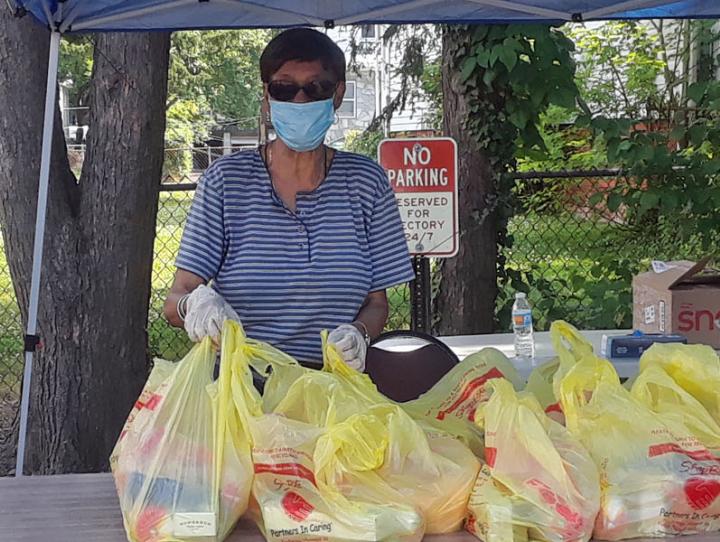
296 507
423 174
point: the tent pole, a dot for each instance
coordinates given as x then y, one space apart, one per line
38 245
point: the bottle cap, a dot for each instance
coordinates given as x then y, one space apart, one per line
520 295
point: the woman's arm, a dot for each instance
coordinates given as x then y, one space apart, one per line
184 283
373 314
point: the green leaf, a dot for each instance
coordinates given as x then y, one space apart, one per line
614 201
711 167
626 145
537 97
677 133
513 44
646 152
610 128
519 29
583 121
596 198
519 118
468 66
535 154
497 31
612 150
649 200
696 91
578 282
564 97
489 76
670 201
480 32
698 134
545 49
531 136
508 57
495 54
483 58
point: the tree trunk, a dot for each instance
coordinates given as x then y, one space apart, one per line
465 300
95 284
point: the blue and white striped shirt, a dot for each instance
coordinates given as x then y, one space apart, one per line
291 274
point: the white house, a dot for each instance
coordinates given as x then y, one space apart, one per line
371 88
75 131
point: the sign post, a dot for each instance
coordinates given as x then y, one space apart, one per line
423 175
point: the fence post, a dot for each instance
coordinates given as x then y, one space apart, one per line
227 143
420 295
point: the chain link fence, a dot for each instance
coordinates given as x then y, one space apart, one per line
11 349
555 237
574 255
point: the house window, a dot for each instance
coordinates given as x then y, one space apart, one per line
368 32
347 109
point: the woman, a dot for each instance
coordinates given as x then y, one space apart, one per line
296 237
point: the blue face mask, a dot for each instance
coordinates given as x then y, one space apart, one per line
302 126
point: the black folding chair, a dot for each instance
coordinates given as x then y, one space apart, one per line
405 375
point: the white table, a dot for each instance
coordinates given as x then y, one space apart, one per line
464 345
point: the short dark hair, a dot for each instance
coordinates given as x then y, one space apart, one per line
304 45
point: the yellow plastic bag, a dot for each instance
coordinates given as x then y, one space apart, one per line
450 404
309 478
543 382
182 463
694 367
540 384
654 388
539 483
433 473
421 466
656 478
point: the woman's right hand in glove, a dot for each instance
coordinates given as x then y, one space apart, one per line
205 314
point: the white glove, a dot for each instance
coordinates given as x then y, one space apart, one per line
351 344
206 313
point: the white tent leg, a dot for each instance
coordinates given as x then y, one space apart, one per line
39 240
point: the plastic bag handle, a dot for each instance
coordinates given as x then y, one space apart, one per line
568 343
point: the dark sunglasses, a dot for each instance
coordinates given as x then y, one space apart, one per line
285 91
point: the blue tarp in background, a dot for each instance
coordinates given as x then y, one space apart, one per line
108 15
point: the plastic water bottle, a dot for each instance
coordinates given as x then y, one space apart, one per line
523 327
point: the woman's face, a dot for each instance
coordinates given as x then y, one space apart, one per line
318 83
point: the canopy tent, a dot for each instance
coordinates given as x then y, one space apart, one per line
108 15
74 16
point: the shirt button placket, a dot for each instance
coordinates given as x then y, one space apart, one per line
304 243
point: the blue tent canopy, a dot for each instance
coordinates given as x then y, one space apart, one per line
127 15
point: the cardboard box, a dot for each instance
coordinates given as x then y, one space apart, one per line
679 297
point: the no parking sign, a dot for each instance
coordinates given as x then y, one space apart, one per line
423 174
